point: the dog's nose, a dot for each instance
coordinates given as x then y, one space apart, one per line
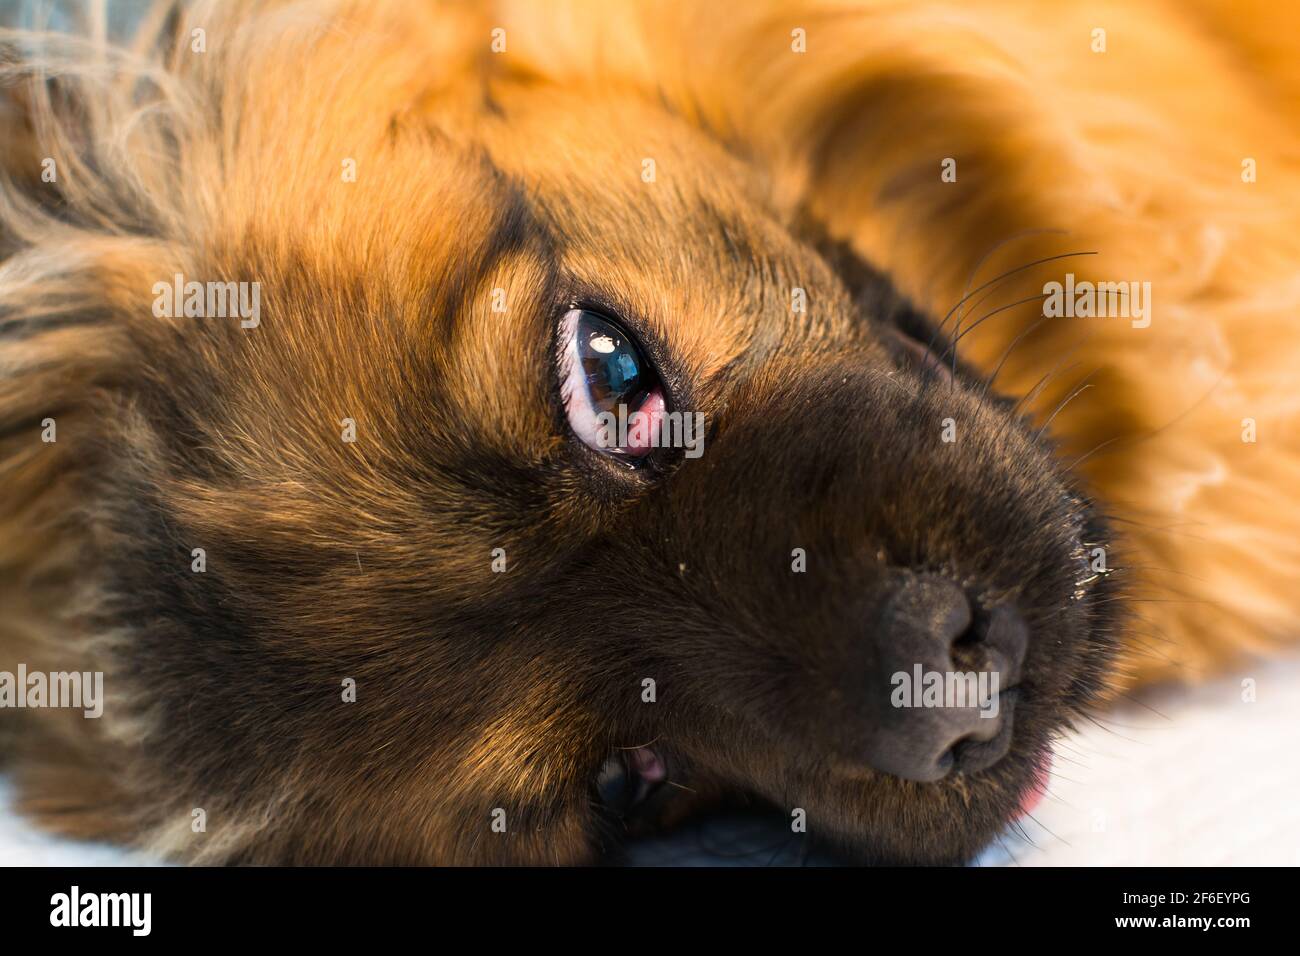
938 698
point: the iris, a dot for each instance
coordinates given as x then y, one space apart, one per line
613 371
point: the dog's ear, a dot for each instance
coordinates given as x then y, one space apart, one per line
79 240
79 243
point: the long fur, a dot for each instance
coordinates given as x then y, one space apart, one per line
1132 156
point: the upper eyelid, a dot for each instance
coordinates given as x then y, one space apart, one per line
564 356
651 346
622 312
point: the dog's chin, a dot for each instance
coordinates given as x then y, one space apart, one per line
860 815
1035 790
633 787
950 826
947 822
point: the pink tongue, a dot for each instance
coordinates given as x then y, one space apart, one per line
1036 790
647 764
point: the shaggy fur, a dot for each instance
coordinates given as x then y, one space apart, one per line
521 170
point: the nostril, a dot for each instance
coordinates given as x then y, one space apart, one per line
954 623
939 669
976 752
969 652
996 641
925 617
958 756
965 651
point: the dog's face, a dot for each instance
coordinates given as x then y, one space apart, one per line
396 482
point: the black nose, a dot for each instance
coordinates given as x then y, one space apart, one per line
937 694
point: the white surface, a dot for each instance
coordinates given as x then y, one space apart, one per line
1193 776
23 845
1181 777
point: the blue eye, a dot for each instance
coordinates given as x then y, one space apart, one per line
609 365
603 376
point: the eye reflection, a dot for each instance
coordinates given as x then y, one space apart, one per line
604 373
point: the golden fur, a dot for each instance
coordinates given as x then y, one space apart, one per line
1133 155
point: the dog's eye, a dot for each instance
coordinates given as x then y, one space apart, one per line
612 395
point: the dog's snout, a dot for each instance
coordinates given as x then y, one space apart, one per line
939 688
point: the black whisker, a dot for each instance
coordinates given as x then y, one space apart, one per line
998 278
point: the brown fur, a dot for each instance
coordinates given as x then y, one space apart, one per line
331 560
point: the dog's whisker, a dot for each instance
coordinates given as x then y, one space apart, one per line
1006 353
1068 779
1049 831
1023 834
1077 763
1143 704
1007 850
1043 382
952 345
998 278
1083 387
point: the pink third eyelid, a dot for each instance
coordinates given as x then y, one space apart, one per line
641 431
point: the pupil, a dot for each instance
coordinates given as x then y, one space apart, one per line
611 365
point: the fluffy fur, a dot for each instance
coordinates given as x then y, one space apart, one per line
480 170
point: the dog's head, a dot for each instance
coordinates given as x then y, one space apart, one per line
439 610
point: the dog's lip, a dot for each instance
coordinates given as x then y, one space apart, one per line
1036 789
919 353
628 777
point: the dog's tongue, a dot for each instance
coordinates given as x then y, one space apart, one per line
1037 789
647 765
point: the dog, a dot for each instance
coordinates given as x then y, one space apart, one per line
322 325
